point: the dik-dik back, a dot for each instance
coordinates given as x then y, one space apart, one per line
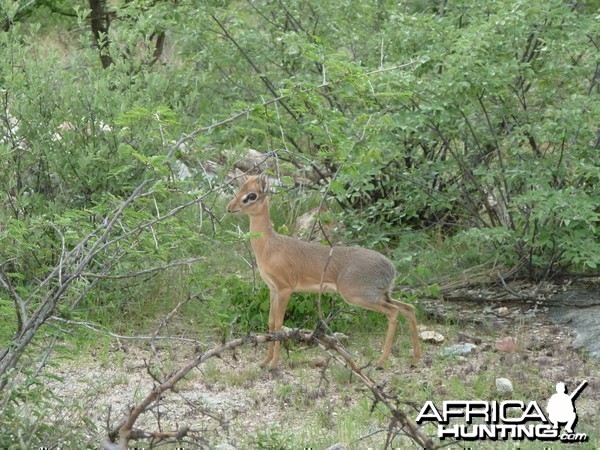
363 277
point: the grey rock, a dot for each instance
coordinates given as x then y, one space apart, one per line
337 446
578 308
225 447
458 349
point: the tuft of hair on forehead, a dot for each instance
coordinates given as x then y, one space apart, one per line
263 183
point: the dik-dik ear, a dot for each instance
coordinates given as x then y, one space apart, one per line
263 183
240 177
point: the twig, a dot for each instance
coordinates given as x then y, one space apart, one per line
120 336
516 294
185 262
20 311
45 358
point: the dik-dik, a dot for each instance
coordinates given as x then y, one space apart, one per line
362 277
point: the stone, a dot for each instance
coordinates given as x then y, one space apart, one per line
337 446
458 349
507 344
432 337
504 386
503 311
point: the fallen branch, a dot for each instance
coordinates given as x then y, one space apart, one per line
409 426
120 435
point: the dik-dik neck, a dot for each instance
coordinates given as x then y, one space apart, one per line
260 223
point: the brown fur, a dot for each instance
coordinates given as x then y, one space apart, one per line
362 277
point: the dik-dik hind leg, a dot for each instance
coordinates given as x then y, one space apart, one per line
407 311
391 308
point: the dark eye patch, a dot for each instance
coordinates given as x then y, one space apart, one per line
250 197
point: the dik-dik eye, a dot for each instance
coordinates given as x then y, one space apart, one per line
250 197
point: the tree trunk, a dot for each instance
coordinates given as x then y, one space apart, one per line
100 22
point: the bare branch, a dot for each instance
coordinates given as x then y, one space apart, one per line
120 336
19 303
124 431
185 262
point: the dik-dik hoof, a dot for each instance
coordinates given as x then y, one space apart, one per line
380 365
272 367
416 360
265 363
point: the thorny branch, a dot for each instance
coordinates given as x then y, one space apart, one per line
123 432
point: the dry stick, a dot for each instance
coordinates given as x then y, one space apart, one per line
163 323
259 72
123 337
19 303
124 429
321 285
361 138
335 175
184 262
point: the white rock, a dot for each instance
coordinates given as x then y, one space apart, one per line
431 336
503 311
504 386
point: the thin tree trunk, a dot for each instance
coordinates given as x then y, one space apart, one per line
100 22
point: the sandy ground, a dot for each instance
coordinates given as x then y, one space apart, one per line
231 400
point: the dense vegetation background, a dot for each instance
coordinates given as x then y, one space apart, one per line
455 136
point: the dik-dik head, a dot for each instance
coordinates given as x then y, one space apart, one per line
252 195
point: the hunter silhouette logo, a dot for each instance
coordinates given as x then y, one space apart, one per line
561 407
510 419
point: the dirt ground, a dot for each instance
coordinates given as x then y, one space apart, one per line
314 401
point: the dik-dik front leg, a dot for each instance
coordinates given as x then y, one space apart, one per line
278 304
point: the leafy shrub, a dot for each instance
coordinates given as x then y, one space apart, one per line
33 417
238 301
